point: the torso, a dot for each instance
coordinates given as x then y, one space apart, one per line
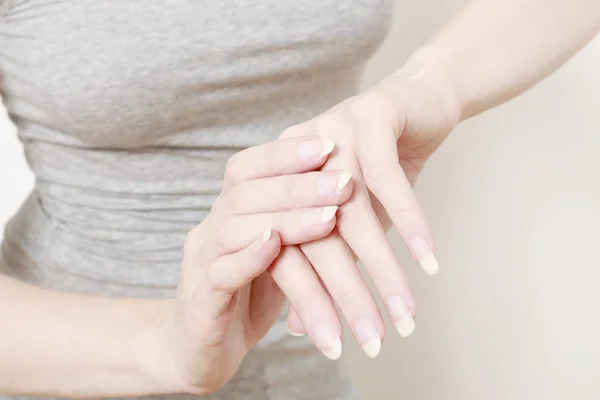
129 109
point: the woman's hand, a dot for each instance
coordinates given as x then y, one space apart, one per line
383 137
226 299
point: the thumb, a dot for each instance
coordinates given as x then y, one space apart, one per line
231 272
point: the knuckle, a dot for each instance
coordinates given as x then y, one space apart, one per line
333 125
228 278
221 239
292 131
232 169
216 279
379 272
305 303
218 206
193 241
290 190
405 212
232 202
272 155
194 235
350 213
361 106
351 296
376 174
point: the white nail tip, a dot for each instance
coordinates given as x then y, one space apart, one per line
266 235
291 331
328 146
328 213
334 352
430 264
343 180
405 326
372 347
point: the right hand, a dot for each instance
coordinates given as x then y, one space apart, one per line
227 301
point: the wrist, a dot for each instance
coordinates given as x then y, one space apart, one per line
428 86
154 350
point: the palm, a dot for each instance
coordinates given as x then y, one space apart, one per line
224 341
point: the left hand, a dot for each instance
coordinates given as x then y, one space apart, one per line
383 138
226 301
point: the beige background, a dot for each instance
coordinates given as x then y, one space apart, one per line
514 201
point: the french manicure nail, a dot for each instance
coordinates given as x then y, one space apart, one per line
343 180
318 216
328 342
315 148
263 238
405 326
291 331
328 213
368 337
424 255
400 314
333 184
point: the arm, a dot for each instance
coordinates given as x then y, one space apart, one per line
494 50
488 53
67 345
63 344
70 345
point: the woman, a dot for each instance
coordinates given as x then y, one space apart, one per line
128 111
226 300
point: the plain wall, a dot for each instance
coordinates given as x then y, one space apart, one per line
514 201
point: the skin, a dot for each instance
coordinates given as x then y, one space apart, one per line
101 347
490 52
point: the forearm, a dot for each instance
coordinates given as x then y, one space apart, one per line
493 50
68 345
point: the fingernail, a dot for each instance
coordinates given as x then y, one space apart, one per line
328 342
405 326
318 216
328 213
291 331
263 238
424 255
403 321
333 184
343 180
368 337
315 148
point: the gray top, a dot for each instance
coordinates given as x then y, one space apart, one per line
129 109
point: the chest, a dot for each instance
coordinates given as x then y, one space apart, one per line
96 66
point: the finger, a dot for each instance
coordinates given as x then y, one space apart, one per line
288 192
294 227
294 324
294 275
231 272
360 228
377 255
281 157
265 303
378 158
337 269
